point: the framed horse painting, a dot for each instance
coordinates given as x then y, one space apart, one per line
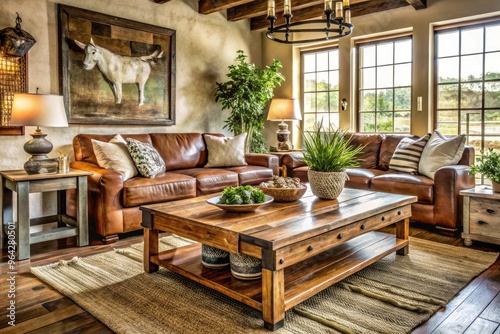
114 70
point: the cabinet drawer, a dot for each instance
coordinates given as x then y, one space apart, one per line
485 217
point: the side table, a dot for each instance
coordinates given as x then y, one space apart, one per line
481 215
22 184
280 155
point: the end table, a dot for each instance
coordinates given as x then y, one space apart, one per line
22 184
481 215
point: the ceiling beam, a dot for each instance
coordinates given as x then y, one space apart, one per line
259 8
418 4
212 6
357 9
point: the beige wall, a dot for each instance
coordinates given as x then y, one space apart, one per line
406 18
206 46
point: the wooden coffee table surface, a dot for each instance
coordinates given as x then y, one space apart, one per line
305 246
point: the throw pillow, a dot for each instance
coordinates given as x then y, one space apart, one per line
226 151
148 161
114 155
407 154
440 151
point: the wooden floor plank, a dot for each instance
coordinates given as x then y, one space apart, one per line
482 326
72 325
492 312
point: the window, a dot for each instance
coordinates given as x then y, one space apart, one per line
467 88
320 88
384 85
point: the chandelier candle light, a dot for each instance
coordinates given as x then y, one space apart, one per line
337 23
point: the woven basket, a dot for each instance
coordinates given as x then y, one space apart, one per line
326 185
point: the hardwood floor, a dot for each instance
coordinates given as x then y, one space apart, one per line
41 309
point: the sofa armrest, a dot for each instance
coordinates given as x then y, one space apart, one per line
264 160
292 161
448 181
105 203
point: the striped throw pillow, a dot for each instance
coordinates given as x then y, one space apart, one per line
407 154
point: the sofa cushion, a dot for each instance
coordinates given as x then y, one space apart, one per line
180 150
252 175
114 155
407 154
440 151
162 188
368 158
388 147
407 184
226 151
210 180
148 161
360 178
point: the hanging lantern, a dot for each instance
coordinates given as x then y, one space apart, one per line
15 41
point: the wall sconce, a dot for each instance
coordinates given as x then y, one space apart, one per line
344 104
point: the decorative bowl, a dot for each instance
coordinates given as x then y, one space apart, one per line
238 207
285 195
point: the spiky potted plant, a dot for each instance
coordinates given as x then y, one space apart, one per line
327 153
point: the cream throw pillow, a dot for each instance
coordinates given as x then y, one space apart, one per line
114 155
226 151
440 151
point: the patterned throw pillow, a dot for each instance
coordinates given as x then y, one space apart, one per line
407 155
114 155
146 158
226 151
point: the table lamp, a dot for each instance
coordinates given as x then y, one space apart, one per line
284 110
39 110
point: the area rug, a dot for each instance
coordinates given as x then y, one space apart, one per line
394 295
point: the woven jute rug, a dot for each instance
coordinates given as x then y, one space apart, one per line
394 295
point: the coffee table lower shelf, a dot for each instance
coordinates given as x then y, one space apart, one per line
302 280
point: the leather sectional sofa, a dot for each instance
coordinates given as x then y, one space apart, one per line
113 203
438 203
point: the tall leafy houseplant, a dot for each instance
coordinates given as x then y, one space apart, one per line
327 153
246 94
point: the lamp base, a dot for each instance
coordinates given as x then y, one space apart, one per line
41 166
284 143
39 147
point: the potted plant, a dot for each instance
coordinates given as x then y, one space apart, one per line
327 153
488 166
246 94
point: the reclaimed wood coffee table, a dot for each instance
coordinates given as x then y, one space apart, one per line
305 246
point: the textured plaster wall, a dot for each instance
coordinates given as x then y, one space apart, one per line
205 46
405 18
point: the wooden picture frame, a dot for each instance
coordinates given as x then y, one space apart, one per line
93 47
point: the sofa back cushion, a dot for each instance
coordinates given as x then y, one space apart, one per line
368 158
180 150
82 144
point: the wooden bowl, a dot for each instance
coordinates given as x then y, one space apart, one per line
285 195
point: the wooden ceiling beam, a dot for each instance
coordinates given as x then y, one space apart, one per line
418 4
212 6
259 8
357 9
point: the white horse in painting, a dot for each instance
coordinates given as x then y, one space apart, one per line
119 69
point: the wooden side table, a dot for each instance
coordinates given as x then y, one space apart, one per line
481 215
22 184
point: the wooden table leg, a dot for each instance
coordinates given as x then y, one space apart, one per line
150 249
81 212
403 232
23 221
273 298
5 209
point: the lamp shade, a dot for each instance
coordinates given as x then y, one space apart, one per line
284 109
38 110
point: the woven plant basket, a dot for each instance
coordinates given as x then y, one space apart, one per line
326 185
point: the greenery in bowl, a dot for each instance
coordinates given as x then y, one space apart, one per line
242 195
488 165
329 150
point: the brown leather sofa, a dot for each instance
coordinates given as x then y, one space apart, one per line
438 203
113 204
